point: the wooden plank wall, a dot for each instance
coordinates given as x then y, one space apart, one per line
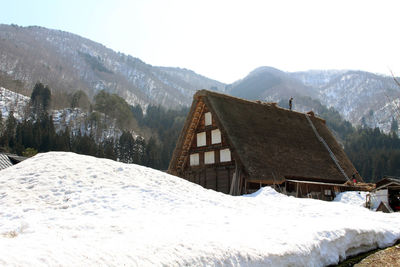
217 176
218 179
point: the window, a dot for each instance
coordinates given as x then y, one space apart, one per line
327 192
209 157
201 139
215 136
208 119
194 159
225 155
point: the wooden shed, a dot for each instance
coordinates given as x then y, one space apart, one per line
236 146
8 160
386 195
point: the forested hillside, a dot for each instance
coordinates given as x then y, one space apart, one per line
110 128
113 129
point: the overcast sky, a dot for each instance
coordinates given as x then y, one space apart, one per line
225 40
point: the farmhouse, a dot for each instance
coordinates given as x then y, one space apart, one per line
236 146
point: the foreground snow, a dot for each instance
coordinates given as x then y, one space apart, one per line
67 209
354 198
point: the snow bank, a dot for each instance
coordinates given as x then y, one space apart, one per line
67 209
355 198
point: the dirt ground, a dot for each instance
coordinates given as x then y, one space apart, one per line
387 257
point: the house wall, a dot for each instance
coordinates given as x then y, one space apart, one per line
212 171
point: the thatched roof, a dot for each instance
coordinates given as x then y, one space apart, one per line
273 143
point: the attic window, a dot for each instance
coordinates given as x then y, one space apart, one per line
194 159
225 155
215 136
208 119
201 139
209 157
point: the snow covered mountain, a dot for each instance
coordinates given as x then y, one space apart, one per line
361 97
67 63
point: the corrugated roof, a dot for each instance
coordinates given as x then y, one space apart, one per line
5 162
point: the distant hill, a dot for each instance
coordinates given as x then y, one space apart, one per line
68 62
269 84
360 97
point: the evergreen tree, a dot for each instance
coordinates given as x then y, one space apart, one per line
79 99
40 100
126 148
139 150
9 135
394 127
109 149
152 155
1 123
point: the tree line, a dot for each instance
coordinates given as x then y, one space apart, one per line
373 153
37 133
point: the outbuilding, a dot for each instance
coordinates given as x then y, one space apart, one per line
386 196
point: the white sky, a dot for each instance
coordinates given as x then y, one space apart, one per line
225 40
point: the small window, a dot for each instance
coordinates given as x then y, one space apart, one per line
327 192
201 139
208 119
194 159
215 136
225 155
209 157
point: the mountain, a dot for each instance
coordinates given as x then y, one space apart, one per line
360 97
68 62
269 84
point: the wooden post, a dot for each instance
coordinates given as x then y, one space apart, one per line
236 180
205 178
229 179
216 179
231 191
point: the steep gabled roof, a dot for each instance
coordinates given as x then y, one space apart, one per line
274 143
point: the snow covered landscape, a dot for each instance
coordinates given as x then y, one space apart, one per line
66 209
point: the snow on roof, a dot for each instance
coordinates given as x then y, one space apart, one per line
61 208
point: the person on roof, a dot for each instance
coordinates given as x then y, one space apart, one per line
290 103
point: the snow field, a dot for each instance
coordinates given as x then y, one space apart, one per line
61 208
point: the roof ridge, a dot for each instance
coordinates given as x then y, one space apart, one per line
204 92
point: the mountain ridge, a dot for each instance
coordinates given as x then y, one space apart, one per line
68 62
361 97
